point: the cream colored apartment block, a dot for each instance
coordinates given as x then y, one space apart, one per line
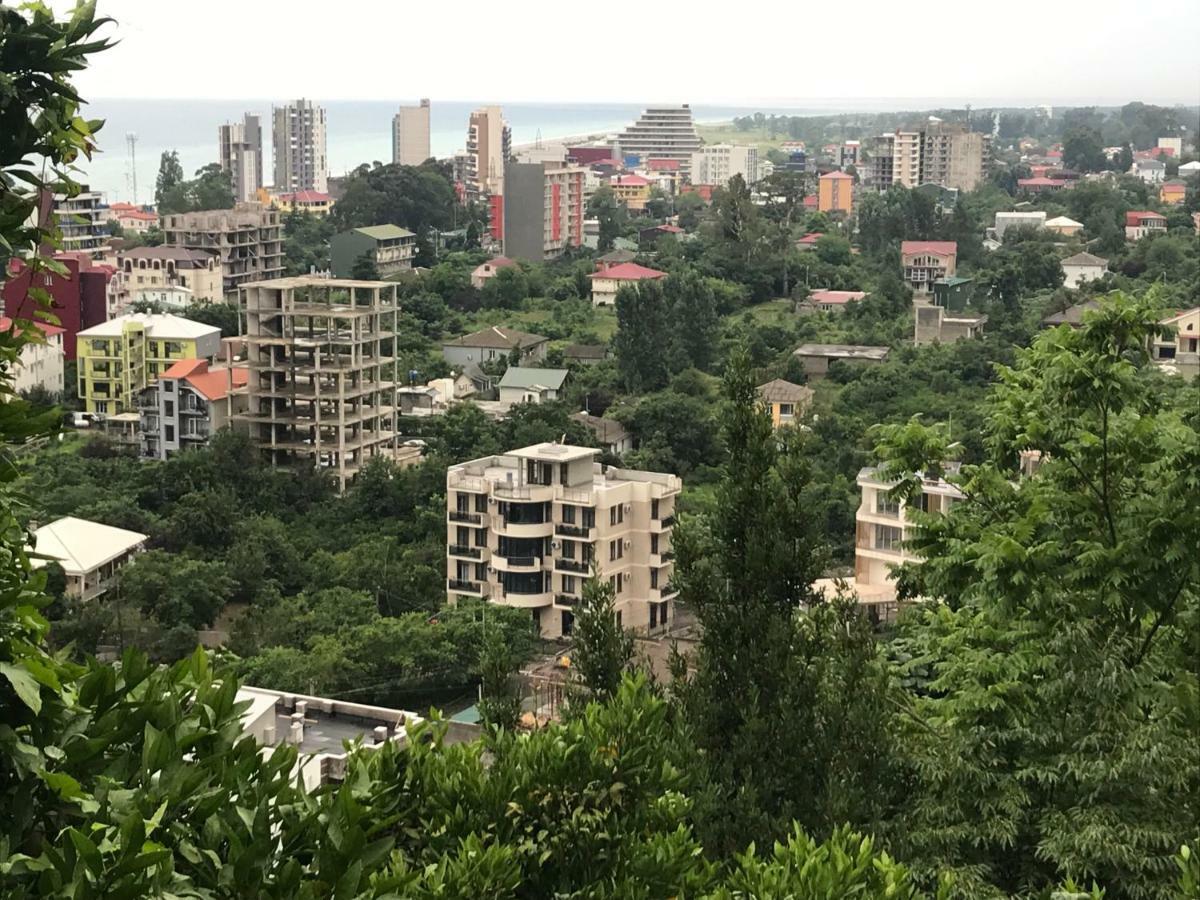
525 528
320 389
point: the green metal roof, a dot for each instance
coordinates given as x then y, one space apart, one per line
521 377
384 232
952 281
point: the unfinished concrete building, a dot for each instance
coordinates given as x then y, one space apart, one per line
247 239
320 388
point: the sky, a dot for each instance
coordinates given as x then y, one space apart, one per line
781 52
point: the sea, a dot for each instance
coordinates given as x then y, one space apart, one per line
358 132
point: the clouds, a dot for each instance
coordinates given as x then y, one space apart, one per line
701 51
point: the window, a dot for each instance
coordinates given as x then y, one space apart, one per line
480 571
480 537
654 509
653 615
654 542
169 387
888 537
616 514
786 410
568 514
568 584
619 617
654 579
464 536
480 503
168 407
589 517
568 623
169 433
462 502
568 549
885 505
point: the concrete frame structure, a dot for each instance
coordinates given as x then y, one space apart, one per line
895 160
298 132
248 239
320 388
410 134
81 221
239 148
525 528
953 156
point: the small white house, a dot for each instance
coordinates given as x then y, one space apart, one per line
90 553
522 385
1150 171
1083 267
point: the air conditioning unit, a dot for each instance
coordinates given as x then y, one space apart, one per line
628 543
491 570
554 545
491 499
628 507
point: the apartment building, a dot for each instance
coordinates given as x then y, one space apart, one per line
143 270
188 403
489 146
239 150
41 364
312 203
81 220
717 163
90 553
953 156
389 247
298 131
248 240
410 134
882 526
925 262
525 529
120 357
662 132
1021 219
835 193
78 297
543 210
895 160
321 389
632 190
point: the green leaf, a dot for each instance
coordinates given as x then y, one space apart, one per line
24 684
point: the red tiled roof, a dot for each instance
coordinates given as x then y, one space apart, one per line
810 202
662 165
1040 182
937 248
44 327
500 262
630 181
137 214
213 384
1136 218
811 238
121 204
628 272
837 175
305 197
837 297
669 229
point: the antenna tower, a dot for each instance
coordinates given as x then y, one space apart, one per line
131 172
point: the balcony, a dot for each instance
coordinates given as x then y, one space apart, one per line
464 587
470 518
662 524
578 531
565 600
464 550
518 562
570 565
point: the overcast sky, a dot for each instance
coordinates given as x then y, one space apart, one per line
782 51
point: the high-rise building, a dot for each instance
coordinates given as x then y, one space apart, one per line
662 132
299 145
543 210
717 163
835 193
895 160
239 145
529 527
248 240
410 134
321 389
489 146
81 221
952 156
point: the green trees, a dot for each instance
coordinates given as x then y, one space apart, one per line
212 188
1057 735
1083 150
602 648
415 197
611 214
306 243
169 195
781 680
664 326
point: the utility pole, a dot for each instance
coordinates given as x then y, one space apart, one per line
131 144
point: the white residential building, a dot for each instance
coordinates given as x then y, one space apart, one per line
662 132
90 553
1150 171
528 528
1083 267
41 364
301 163
717 163
1007 220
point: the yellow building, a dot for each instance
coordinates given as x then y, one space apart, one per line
120 357
786 401
835 193
632 190
314 202
1172 192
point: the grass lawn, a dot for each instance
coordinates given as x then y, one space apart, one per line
725 133
770 312
601 321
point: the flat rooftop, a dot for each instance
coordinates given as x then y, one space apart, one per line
554 452
842 351
303 281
